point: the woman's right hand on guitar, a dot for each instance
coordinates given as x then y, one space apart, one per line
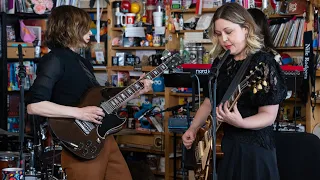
90 113
188 137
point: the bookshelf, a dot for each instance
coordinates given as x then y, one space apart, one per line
13 20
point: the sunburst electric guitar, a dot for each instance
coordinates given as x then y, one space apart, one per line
86 139
256 81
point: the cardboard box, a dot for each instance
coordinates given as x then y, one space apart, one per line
27 50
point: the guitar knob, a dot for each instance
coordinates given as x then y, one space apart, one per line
89 143
93 149
85 152
80 145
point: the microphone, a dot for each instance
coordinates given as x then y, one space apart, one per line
214 69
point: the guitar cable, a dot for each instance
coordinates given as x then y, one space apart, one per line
198 89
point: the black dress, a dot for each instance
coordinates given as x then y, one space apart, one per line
250 154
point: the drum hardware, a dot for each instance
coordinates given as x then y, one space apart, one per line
57 173
10 159
4 132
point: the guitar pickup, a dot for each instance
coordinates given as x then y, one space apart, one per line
85 128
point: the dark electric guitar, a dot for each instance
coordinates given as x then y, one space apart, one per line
86 139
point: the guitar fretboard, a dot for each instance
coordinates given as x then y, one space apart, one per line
116 101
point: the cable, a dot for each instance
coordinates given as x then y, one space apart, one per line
198 88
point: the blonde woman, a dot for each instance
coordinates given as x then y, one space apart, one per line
248 143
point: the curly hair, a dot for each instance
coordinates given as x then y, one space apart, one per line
66 27
237 14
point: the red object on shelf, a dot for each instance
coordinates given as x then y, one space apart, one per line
199 69
292 68
196 66
125 6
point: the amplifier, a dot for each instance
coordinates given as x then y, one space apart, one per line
179 122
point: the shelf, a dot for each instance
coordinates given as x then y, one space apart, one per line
154 93
273 16
317 101
24 59
292 48
129 68
293 99
99 68
117 29
121 28
94 10
289 48
148 68
138 48
302 122
22 15
204 10
183 94
155 172
184 31
141 150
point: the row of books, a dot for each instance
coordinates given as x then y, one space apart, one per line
289 34
13 78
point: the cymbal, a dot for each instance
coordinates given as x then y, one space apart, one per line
4 132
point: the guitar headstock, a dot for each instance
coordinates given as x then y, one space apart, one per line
257 78
172 61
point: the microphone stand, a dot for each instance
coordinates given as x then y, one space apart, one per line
214 73
22 76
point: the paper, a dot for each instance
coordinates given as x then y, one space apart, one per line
135 32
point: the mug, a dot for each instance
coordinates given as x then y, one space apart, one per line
129 19
12 173
158 84
155 60
132 60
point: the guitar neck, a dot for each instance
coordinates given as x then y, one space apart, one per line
234 97
232 101
116 101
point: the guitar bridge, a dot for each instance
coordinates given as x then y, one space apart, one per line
85 126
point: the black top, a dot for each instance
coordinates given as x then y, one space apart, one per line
60 78
249 102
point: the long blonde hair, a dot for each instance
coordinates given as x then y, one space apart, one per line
237 14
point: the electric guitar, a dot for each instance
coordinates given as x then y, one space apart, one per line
86 139
255 80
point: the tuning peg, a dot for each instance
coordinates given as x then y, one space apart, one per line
251 72
264 83
259 86
255 90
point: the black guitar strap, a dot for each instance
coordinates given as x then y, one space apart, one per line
237 79
89 74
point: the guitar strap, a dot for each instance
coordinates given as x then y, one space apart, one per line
237 79
89 74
